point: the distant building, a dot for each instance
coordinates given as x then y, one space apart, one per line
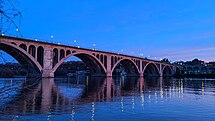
211 64
179 62
197 67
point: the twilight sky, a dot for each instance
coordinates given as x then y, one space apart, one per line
175 29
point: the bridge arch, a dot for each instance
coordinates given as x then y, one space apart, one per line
23 46
55 56
131 68
32 50
177 70
167 71
94 64
22 56
62 54
151 69
40 55
68 52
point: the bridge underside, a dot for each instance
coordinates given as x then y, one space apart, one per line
91 64
167 72
151 71
125 67
22 59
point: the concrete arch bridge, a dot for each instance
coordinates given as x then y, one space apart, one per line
44 58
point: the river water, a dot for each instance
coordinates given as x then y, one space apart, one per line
107 99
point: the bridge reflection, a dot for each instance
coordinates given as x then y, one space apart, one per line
64 94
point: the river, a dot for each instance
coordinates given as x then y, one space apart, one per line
107 99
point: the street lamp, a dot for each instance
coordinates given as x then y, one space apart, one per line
52 37
94 46
17 30
75 42
122 51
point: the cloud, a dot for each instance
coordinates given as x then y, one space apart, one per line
205 53
198 37
187 51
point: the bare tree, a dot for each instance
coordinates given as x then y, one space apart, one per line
10 16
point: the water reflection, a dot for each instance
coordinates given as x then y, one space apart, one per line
55 95
86 97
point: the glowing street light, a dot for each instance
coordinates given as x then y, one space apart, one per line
17 30
94 46
52 38
75 42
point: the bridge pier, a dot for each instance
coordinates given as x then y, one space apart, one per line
109 68
109 74
47 74
161 74
161 71
47 63
141 74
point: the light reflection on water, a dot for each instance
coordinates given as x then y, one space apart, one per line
97 98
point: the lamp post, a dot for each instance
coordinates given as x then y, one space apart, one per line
94 46
122 51
52 37
17 30
75 42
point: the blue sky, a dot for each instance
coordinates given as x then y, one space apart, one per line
175 29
